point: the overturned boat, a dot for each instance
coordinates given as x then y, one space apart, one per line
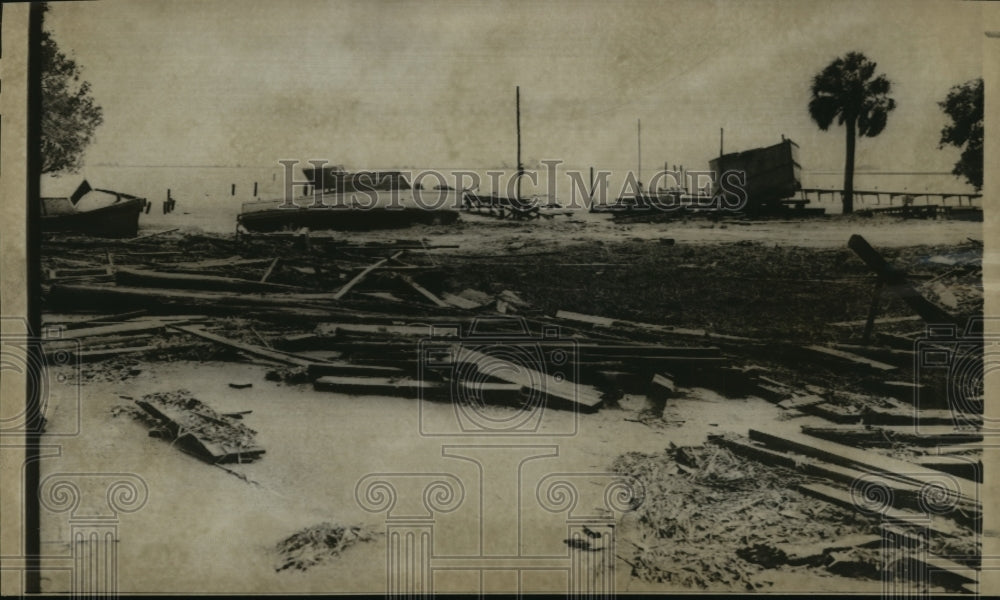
353 201
92 211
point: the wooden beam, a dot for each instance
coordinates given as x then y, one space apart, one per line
275 355
187 281
842 498
930 435
869 461
665 329
132 327
562 389
843 356
899 284
423 291
364 273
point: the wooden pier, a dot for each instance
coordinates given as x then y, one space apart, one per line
904 198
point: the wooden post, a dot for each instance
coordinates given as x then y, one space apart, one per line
519 168
591 185
873 310
638 129
255 189
233 190
721 133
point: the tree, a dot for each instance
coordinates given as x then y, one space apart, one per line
848 90
964 105
69 114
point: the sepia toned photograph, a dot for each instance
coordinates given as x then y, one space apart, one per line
321 297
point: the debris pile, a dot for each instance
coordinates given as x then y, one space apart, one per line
317 544
711 520
196 428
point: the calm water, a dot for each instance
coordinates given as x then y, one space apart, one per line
211 197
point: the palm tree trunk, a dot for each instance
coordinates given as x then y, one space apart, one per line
849 167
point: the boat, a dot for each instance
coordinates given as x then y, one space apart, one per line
94 212
352 201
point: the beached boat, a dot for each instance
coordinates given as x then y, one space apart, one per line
95 212
353 201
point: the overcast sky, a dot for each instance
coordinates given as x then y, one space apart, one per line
431 84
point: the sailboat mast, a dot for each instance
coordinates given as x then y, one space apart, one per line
638 128
519 166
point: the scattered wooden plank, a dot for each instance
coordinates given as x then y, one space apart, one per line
880 321
960 466
903 494
842 498
275 355
906 391
771 390
86 356
132 327
849 358
423 291
889 436
919 416
187 281
664 329
364 273
349 369
662 386
336 329
459 301
841 454
270 269
893 356
498 393
801 401
560 389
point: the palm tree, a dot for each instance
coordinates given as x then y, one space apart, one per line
848 91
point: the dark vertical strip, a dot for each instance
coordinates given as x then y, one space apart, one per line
517 103
32 534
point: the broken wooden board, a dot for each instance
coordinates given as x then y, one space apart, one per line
893 356
841 454
936 525
187 281
103 330
960 466
919 417
188 441
931 435
336 329
364 273
848 358
662 386
902 494
560 388
648 327
498 393
879 321
87 356
275 355
348 369
801 401
459 301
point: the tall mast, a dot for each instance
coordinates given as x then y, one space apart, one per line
520 168
638 129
